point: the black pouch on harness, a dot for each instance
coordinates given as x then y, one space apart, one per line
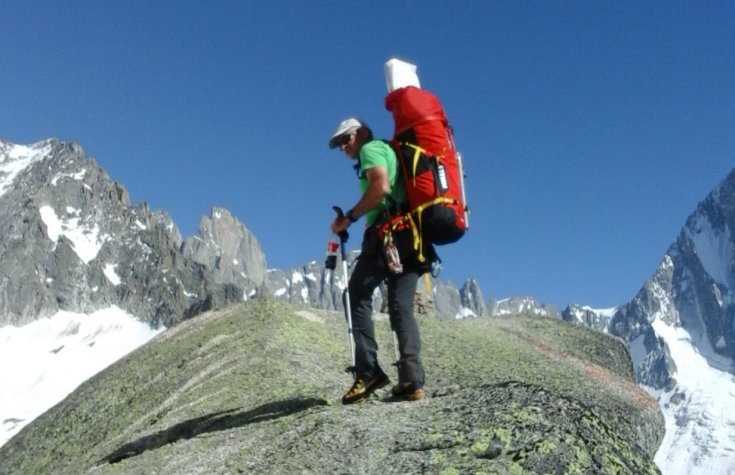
402 247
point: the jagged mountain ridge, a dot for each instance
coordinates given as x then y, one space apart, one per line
73 241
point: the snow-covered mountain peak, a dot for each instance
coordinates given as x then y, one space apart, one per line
680 329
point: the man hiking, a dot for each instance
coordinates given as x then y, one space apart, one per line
381 189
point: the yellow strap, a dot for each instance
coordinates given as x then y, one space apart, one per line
416 237
417 151
416 157
441 199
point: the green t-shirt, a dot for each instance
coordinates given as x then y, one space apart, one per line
377 153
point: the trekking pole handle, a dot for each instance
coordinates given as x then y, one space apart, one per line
343 235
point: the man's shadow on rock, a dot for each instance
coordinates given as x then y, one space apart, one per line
217 421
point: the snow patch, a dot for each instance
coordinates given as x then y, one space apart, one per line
111 275
52 356
699 411
79 176
86 240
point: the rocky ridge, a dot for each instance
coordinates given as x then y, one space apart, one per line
254 388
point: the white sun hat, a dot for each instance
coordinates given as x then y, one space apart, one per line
347 125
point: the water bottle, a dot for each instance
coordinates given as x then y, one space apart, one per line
332 250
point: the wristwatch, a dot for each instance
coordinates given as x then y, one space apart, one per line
351 217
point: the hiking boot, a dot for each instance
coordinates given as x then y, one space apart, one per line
363 388
411 391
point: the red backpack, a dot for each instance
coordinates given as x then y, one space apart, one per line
431 169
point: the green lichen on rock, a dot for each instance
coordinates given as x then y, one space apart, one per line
255 388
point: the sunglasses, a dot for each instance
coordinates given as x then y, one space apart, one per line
343 140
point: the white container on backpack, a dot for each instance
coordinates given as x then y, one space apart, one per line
400 74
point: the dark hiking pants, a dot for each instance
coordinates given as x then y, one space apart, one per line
369 272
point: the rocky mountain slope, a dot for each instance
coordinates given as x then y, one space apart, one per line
255 388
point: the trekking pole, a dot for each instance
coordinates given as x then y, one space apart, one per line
343 237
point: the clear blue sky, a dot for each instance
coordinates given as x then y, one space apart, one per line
590 130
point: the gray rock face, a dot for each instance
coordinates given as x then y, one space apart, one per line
473 299
73 241
451 302
225 247
632 322
447 301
